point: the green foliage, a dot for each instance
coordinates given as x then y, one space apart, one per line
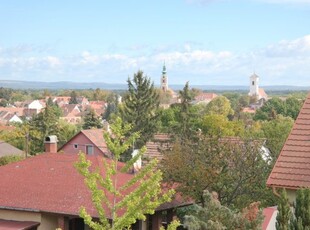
66 131
219 106
219 125
91 120
276 132
300 219
46 122
125 209
213 216
140 107
284 215
10 159
24 137
186 97
4 103
275 106
234 168
302 210
112 107
73 99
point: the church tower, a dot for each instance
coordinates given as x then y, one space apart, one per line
164 80
254 91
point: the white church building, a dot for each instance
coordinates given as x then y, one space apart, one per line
254 88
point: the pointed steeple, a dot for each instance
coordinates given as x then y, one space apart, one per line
164 68
164 79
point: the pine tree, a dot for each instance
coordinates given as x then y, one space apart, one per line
182 129
140 107
284 215
73 99
302 210
91 120
125 209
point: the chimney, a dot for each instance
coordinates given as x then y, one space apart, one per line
138 163
50 144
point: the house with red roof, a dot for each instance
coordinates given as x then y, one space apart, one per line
204 98
89 141
98 106
71 113
8 117
292 168
46 192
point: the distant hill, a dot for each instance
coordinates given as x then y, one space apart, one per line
93 85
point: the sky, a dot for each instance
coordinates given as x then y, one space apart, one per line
205 42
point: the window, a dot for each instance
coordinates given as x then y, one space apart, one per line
75 146
253 82
89 149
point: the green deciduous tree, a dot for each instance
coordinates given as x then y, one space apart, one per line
214 216
234 168
140 107
219 125
276 132
146 192
219 106
275 106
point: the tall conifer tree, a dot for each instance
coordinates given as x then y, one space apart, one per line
140 107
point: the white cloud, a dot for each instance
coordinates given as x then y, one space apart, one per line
285 62
52 61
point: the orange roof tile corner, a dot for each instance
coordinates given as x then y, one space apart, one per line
292 168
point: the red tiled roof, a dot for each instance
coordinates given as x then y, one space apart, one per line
49 183
6 128
292 169
70 109
96 136
13 110
160 141
262 93
248 110
205 96
270 215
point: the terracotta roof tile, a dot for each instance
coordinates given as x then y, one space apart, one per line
50 183
292 169
96 137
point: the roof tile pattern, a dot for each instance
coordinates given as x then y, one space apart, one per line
96 137
50 183
292 169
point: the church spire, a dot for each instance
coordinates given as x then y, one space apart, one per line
164 79
164 68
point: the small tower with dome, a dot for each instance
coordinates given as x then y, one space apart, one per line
164 79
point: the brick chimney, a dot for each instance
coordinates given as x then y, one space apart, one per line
50 144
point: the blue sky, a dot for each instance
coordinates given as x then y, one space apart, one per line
210 42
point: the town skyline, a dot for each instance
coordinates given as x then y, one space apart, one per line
217 42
